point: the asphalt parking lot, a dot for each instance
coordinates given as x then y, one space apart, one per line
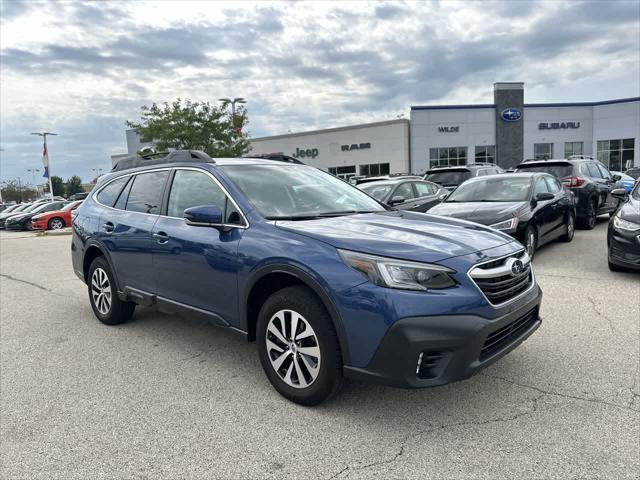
168 397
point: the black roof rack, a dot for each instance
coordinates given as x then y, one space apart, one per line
161 158
280 157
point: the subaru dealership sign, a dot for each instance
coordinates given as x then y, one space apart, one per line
511 114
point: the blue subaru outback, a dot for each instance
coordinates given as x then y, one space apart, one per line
329 282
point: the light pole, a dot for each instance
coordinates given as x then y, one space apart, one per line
33 172
45 157
232 102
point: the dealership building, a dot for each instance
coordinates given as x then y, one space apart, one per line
504 132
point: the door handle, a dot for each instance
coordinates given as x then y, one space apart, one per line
108 227
161 236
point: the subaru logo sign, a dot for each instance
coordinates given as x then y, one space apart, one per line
516 266
511 114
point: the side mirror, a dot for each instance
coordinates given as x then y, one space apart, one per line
397 199
616 177
203 216
542 196
620 193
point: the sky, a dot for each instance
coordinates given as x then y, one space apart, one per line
81 69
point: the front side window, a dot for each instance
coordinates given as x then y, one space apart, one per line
423 189
191 188
108 195
404 190
540 187
146 191
297 191
552 183
376 190
543 151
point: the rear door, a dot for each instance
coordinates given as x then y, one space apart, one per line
560 206
126 229
610 202
602 186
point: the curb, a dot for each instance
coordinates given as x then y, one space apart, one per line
54 233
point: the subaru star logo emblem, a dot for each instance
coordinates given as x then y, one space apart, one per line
517 267
511 114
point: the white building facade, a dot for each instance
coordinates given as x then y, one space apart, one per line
369 149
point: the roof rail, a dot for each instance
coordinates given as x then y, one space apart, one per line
280 157
487 164
580 157
158 159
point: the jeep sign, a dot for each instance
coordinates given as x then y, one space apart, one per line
309 152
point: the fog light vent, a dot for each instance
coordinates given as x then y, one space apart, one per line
429 364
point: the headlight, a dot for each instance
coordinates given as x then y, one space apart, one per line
392 273
510 224
622 224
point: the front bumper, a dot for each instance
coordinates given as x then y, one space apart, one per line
17 225
38 225
436 350
624 248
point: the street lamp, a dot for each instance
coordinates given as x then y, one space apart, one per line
232 102
33 172
45 157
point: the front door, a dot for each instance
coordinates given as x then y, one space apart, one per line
196 266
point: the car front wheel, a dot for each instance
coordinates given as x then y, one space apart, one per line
56 223
530 241
298 346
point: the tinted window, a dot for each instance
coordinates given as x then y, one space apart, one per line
540 187
191 189
593 170
146 192
552 183
107 196
451 177
121 203
603 171
376 190
558 170
423 189
495 189
403 190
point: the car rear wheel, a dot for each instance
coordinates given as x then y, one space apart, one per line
570 228
103 295
298 346
56 223
530 241
592 213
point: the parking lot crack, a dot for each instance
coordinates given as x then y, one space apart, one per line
596 309
27 282
403 444
563 395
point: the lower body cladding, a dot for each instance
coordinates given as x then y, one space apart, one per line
624 248
429 351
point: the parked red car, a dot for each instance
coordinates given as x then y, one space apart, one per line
55 220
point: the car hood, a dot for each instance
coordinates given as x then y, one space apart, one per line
401 234
38 216
4 216
486 213
20 216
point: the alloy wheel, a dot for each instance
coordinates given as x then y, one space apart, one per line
101 291
531 244
56 224
592 215
293 348
571 227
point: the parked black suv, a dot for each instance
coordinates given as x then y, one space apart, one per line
406 193
623 235
451 177
589 180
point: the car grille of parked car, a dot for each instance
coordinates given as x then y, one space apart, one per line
506 335
503 279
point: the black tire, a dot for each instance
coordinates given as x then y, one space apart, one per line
570 228
56 223
589 222
118 311
303 301
531 241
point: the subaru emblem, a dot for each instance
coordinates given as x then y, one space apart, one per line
517 267
511 114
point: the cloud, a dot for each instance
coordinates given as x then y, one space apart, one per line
84 68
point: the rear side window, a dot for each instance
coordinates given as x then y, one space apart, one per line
593 170
424 189
146 192
107 196
552 183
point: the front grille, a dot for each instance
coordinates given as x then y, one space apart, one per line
499 282
506 335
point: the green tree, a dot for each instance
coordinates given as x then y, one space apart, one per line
74 185
57 184
183 124
16 191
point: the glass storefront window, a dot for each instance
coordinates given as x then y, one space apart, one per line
617 155
573 148
374 169
485 154
343 172
542 151
447 156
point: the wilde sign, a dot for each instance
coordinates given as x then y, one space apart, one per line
355 146
452 129
309 152
557 125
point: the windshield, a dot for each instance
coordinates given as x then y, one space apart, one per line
558 170
636 191
450 177
37 208
377 190
297 191
500 189
71 206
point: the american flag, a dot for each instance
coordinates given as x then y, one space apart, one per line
45 161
